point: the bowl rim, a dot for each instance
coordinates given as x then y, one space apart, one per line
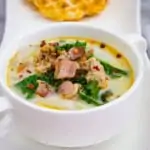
125 96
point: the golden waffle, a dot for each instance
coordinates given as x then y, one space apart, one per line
68 10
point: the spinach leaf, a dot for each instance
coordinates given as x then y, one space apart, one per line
49 78
28 86
90 93
68 46
89 99
92 88
80 44
112 71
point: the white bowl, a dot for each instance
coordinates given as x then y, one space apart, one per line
74 128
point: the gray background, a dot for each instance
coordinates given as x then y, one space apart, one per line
2 17
145 11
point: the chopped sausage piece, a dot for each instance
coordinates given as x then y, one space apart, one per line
65 69
43 89
76 53
68 90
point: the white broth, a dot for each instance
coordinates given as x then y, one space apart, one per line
69 73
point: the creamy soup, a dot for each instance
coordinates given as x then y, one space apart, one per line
69 73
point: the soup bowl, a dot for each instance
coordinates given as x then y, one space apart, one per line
84 127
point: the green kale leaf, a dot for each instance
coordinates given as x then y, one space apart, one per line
90 93
28 86
112 71
68 46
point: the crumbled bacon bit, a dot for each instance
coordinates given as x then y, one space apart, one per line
96 68
43 43
118 55
28 71
30 86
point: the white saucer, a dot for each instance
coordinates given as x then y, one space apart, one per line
121 16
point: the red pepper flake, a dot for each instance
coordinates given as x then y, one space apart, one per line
118 55
20 76
30 86
102 45
43 43
28 71
96 68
